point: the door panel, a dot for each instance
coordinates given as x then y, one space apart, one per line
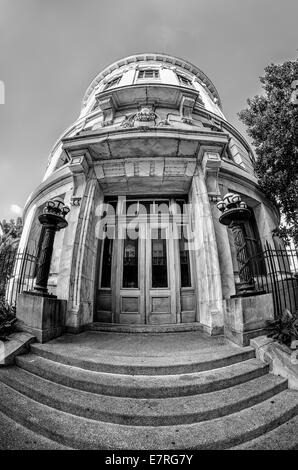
160 275
130 299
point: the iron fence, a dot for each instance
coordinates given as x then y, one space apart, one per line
273 270
17 274
276 271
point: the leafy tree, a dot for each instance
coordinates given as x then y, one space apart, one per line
272 122
10 233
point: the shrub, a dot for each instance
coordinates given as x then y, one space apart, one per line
7 319
285 329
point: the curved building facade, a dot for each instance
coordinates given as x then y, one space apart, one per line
142 170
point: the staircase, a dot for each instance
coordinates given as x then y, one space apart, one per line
63 395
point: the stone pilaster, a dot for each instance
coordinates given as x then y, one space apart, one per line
211 164
83 259
77 264
210 305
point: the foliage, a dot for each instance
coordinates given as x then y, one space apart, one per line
7 319
285 329
272 122
10 232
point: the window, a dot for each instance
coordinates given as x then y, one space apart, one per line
113 82
183 80
148 73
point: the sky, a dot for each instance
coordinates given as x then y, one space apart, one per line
50 50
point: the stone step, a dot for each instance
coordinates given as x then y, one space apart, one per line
284 437
82 433
14 436
164 328
143 386
108 361
143 411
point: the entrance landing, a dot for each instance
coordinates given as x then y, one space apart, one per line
142 353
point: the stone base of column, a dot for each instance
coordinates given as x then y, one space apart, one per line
246 317
41 315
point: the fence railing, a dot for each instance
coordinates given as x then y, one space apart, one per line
276 271
17 274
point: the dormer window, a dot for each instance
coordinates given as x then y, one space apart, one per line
183 80
148 73
113 82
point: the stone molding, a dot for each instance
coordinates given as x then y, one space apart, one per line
161 167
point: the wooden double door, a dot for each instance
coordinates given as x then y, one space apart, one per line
145 274
145 284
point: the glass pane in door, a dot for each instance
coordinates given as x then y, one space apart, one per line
184 260
107 262
130 262
159 258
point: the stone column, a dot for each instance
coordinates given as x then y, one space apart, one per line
210 305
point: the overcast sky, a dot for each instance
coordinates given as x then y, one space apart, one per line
50 50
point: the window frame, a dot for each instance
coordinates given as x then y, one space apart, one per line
181 77
144 70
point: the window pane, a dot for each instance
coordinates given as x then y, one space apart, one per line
184 261
159 259
106 263
130 263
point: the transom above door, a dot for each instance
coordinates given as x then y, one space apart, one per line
145 270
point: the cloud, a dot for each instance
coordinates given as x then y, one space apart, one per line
17 210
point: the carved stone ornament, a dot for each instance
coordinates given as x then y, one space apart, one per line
75 201
144 118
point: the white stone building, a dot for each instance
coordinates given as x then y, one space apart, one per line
151 133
